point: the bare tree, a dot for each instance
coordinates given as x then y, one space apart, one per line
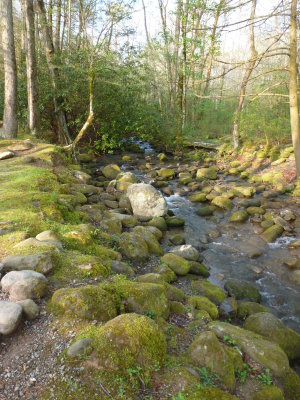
10 123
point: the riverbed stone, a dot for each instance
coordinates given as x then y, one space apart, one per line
273 329
30 309
146 201
178 264
213 292
174 222
198 197
167 274
222 202
177 239
246 308
256 210
82 177
40 262
206 351
198 269
186 251
246 191
228 308
158 222
262 351
206 211
166 173
26 284
111 171
202 303
207 173
145 233
239 216
272 233
133 246
10 317
242 290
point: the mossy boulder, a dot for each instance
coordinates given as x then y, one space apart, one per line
222 202
239 216
167 274
142 298
174 380
178 264
158 222
127 342
198 197
86 302
291 385
200 392
213 292
266 353
133 246
206 351
207 173
198 269
203 303
242 290
272 233
273 329
256 210
177 239
111 171
228 308
268 393
145 233
151 278
174 222
177 308
206 211
245 191
247 308
166 173
174 294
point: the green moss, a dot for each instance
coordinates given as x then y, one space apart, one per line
248 308
222 202
198 392
202 303
212 292
291 385
268 393
198 197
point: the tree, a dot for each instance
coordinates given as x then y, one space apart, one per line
31 68
10 122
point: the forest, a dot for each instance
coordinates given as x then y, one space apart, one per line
149 200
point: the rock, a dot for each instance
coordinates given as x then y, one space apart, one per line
167 274
111 224
207 173
203 304
256 210
128 341
126 177
40 262
35 243
82 176
295 277
186 251
158 222
239 216
174 222
151 278
266 353
206 351
30 309
146 201
111 171
127 221
212 292
145 233
291 385
268 393
267 325
222 202
5 155
178 264
10 317
166 173
80 347
198 269
198 197
47 236
132 246
272 233
175 380
228 308
86 302
201 392
111 204
177 308
206 211
120 267
26 284
242 290
248 308
155 231
246 191
250 203
162 157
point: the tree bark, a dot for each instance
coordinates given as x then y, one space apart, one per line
60 115
294 108
57 27
31 68
10 123
248 72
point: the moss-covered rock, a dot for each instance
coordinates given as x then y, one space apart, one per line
127 342
86 302
178 264
207 173
239 216
167 274
158 222
200 392
198 197
228 308
291 385
174 294
151 278
133 246
174 222
111 171
245 191
242 290
273 329
177 239
206 211
203 303
177 308
206 351
222 202
268 393
256 210
145 233
272 233
212 292
166 173
198 269
247 308
266 353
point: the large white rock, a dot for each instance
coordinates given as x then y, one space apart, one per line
40 262
146 201
22 285
10 317
6 155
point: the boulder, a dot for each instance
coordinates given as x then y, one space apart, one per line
266 353
272 233
206 352
10 317
40 262
206 211
242 290
174 222
111 171
166 173
267 325
82 176
5 155
207 173
256 210
167 274
158 222
80 347
26 284
268 393
213 292
153 245
177 239
222 202
203 304
198 197
247 308
239 216
178 264
186 251
228 308
146 201
30 309
198 269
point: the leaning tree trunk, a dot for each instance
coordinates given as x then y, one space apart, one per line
31 68
294 109
248 72
60 114
10 123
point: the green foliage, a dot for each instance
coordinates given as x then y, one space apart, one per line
265 377
208 377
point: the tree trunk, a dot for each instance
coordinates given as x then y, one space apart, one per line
10 123
294 109
31 68
57 27
60 115
248 72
